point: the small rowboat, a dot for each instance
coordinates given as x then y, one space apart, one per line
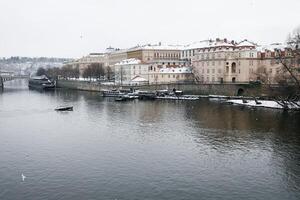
67 108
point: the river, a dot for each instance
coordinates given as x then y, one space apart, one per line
143 149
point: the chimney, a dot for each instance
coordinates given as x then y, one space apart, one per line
225 40
159 44
218 39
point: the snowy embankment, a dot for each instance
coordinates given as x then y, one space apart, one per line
266 104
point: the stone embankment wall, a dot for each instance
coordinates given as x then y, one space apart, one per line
199 89
1 82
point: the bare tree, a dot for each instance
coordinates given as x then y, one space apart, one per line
94 70
290 59
87 72
98 70
41 71
69 71
263 75
109 72
53 72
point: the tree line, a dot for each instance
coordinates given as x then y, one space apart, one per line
66 71
91 71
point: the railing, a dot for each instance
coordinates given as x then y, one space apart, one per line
5 78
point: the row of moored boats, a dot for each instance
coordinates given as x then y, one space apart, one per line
124 95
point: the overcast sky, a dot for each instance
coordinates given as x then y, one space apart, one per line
72 28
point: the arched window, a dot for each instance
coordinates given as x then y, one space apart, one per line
233 67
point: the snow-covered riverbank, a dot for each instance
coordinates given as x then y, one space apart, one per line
264 103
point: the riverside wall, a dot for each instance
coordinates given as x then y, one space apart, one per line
188 88
1 83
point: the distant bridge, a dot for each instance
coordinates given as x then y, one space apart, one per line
9 76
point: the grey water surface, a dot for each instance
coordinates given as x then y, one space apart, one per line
143 149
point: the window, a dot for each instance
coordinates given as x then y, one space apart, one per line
219 71
213 71
233 67
207 71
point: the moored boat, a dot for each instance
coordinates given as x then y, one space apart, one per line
146 95
183 97
111 93
64 108
41 83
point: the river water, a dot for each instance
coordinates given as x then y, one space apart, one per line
143 149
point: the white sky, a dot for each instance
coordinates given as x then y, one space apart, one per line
54 27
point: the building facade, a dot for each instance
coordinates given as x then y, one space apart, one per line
131 71
221 61
164 75
167 54
189 51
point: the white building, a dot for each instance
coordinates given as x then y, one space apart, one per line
131 72
171 75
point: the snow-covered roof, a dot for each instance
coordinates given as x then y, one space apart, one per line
209 44
130 61
176 70
138 79
272 47
246 43
221 43
197 45
156 47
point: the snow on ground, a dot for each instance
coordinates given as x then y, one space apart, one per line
264 103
